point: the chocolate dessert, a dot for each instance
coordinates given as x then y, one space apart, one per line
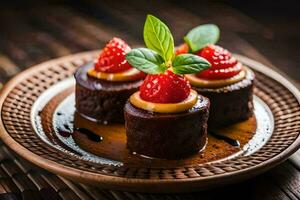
227 83
165 119
100 100
230 104
103 86
170 136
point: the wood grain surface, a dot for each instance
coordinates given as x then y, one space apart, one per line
32 32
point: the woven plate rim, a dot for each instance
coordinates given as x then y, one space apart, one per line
140 184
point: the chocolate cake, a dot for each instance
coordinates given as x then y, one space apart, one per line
230 104
100 100
169 136
227 83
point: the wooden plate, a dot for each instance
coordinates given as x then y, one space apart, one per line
37 117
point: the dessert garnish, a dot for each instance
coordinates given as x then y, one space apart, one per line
103 87
165 83
227 83
209 83
200 36
165 88
157 116
189 102
112 64
223 64
224 70
183 48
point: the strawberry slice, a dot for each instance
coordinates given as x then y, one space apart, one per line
165 88
183 48
112 58
223 64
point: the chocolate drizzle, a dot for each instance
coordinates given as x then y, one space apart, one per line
229 140
91 135
64 133
59 113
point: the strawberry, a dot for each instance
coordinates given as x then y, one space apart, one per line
183 48
223 64
165 88
112 58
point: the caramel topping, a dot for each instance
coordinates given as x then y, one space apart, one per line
203 83
128 75
188 103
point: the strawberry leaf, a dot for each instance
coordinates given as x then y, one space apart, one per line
201 36
146 60
189 64
158 37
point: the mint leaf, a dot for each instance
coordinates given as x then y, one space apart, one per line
146 60
189 64
202 35
158 37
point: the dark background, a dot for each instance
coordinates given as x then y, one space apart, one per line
35 31
271 27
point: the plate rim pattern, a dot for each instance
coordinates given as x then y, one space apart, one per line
19 94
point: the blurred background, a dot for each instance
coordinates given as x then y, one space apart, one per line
35 31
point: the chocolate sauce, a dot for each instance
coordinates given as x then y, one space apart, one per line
64 133
66 126
91 135
229 140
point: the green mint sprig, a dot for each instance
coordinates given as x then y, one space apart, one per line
202 35
146 60
159 54
189 64
158 37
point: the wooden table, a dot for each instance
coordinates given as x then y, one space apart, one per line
33 32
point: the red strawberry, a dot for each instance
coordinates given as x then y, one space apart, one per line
183 48
112 58
223 64
165 88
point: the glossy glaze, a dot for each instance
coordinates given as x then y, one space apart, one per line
250 134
